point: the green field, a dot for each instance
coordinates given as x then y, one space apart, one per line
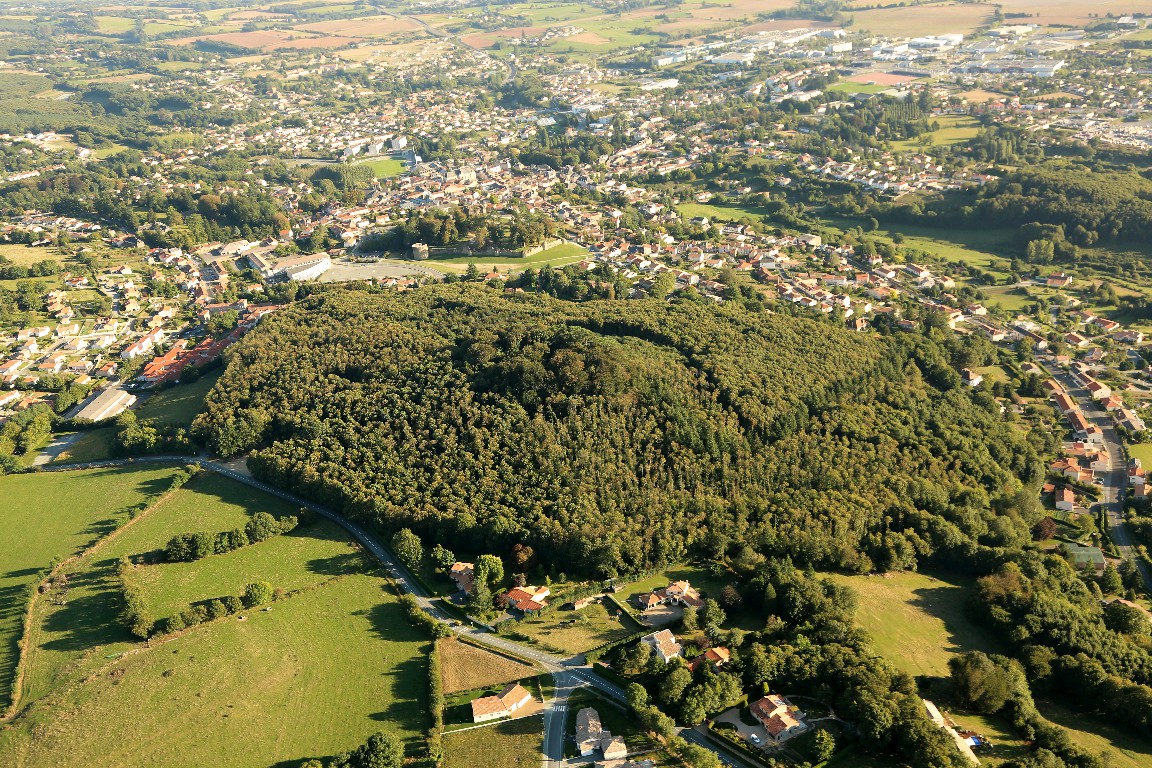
589 627
314 676
953 130
917 622
1121 748
721 212
511 744
62 634
48 516
1142 451
565 253
384 167
180 404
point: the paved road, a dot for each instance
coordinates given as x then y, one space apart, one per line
567 673
1116 479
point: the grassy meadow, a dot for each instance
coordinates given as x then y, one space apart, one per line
330 662
917 622
313 676
50 516
508 744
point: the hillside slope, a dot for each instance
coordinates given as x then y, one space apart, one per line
614 436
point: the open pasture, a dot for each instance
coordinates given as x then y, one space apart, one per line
917 622
50 516
313 676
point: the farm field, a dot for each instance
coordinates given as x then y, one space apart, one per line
55 516
375 26
24 255
464 667
273 688
917 622
509 744
922 20
1071 12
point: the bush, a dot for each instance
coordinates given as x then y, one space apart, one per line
257 593
186 547
135 614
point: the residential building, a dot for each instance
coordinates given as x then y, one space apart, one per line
779 717
664 644
503 704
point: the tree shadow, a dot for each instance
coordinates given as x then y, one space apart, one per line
88 619
21 573
337 565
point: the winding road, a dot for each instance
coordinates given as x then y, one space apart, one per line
1116 479
568 674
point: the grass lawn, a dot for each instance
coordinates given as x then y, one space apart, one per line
560 255
1008 745
25 255
314 676
722 211
1123 748
464 666
179 404
384 167
953 130
48 516
1011 299
592 626
511 744
1142 451
916 621
92 445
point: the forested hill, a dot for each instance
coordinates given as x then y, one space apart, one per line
612 436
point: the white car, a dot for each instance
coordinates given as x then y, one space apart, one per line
754 739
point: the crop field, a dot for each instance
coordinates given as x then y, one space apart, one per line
271 39
313 676
1045 12
922 20
48 516
375 26
510 744
464 667
917 622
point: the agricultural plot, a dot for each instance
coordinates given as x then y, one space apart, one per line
48 516
375 26
922 20
1065 12
465 667
314 676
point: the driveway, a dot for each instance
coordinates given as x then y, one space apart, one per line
732 716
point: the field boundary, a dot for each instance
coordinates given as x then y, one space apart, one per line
25 637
